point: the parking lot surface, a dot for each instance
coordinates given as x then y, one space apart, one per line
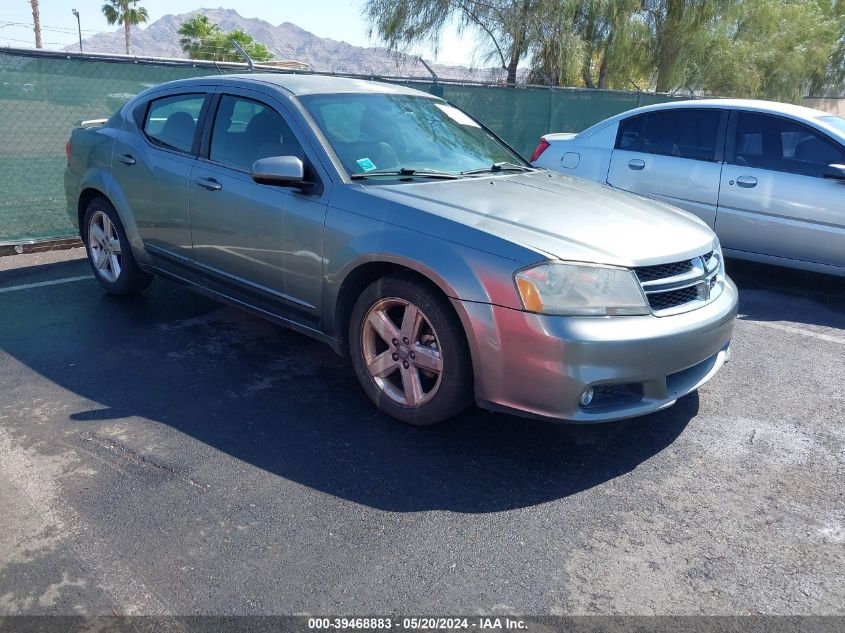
166 454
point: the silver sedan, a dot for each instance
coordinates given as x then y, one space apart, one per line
403 233
768 177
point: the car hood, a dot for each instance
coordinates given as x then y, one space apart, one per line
560 217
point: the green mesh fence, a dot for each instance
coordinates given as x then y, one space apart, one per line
42 96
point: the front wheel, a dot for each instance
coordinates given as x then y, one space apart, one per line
108 250
409 351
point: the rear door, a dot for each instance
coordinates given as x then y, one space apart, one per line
774 199
672 155
152 163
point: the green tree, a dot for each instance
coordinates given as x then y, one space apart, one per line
676 29
832 77
256 50
203 39
772 49
126 12
558 52
194 32
776 49
595 43
505 26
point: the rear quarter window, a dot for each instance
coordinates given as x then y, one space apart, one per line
171 122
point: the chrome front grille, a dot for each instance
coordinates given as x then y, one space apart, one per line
680 286
660 271
673 298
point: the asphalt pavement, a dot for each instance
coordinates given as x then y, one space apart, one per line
166 454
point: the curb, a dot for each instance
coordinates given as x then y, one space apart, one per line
23 248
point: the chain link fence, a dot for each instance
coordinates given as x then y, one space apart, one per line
44 94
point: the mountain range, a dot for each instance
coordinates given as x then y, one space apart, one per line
286 41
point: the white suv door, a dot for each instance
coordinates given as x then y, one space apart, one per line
774 199
672 155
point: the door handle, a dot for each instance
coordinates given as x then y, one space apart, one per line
746 181
636 164
127 159
209 183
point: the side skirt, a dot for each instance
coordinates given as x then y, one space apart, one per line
182 273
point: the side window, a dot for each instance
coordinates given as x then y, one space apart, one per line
778 144
171 122
683 133
246 130
630 135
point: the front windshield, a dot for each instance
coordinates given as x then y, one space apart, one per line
838 123
386 132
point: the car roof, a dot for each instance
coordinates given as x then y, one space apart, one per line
753 105
303 84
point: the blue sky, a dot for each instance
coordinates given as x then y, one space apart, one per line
338 19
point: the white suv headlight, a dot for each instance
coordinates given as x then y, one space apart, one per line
580 289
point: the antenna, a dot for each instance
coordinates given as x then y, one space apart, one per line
428 68
249 63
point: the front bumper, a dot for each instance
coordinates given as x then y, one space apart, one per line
539 365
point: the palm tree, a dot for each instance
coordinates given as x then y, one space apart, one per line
197 34
36 22
126 11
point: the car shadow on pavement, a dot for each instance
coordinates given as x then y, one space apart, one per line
286 404
772 293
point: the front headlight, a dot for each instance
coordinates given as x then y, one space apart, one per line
580 289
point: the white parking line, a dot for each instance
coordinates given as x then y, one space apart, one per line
41 284
801 331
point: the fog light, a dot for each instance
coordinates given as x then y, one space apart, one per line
587 396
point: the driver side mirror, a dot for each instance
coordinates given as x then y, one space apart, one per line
282 171
835 172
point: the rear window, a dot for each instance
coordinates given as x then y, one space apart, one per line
682 133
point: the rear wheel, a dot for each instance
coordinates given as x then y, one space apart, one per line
409 351
108 250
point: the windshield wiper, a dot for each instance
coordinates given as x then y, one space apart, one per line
503 166
405 171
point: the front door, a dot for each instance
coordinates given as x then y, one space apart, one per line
774 199
262 237
673 156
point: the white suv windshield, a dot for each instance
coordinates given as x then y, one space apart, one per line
384 132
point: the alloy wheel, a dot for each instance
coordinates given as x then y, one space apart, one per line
104 246
402 352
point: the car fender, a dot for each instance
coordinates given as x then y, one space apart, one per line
468 277
460 272
105 183
582 155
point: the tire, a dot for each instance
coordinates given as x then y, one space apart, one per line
409 351
111 260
